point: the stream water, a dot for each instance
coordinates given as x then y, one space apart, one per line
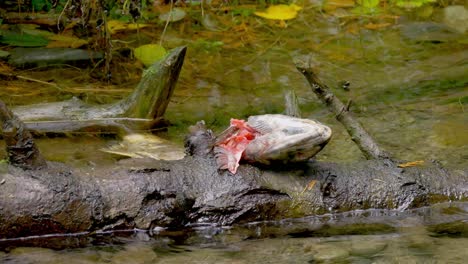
408 86
437 234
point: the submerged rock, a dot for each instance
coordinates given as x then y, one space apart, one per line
428 32
456 17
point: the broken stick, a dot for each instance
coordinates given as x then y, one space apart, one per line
358 134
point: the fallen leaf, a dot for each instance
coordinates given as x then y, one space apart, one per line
150 53
412 3
280 12
377 26
34 30
115 25
62 41
411 164
309 186
331 5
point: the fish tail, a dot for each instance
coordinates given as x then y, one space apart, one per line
225 159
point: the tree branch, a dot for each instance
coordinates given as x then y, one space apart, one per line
358 134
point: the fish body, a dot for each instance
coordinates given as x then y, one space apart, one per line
271 138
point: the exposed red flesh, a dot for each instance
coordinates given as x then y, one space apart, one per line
229 152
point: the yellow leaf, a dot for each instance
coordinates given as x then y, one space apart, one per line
411 164
62 41
377 26
309 186
150 53
115 25
280 12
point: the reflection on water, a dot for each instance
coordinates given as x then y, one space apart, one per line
438 234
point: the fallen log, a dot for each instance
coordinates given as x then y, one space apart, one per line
147 194
141 110
139 193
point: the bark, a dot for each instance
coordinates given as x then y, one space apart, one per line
145 194
21 149
143 109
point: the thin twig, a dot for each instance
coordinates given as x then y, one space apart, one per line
31 80
358 134
169 17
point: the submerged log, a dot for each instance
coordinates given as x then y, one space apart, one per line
142 109
192 191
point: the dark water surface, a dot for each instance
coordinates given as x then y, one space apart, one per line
437 234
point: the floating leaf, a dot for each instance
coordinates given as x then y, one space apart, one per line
32 29
412 3
175 15
411 164
117 25
280 12
150 53
377 26
62 41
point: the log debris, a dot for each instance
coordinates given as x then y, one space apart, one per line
141 110
21 149
146 194
358 134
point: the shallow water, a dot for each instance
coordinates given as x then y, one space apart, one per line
409 88
437 234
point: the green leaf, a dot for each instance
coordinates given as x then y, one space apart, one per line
41 5
22 39
412 3
150 53
368 3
